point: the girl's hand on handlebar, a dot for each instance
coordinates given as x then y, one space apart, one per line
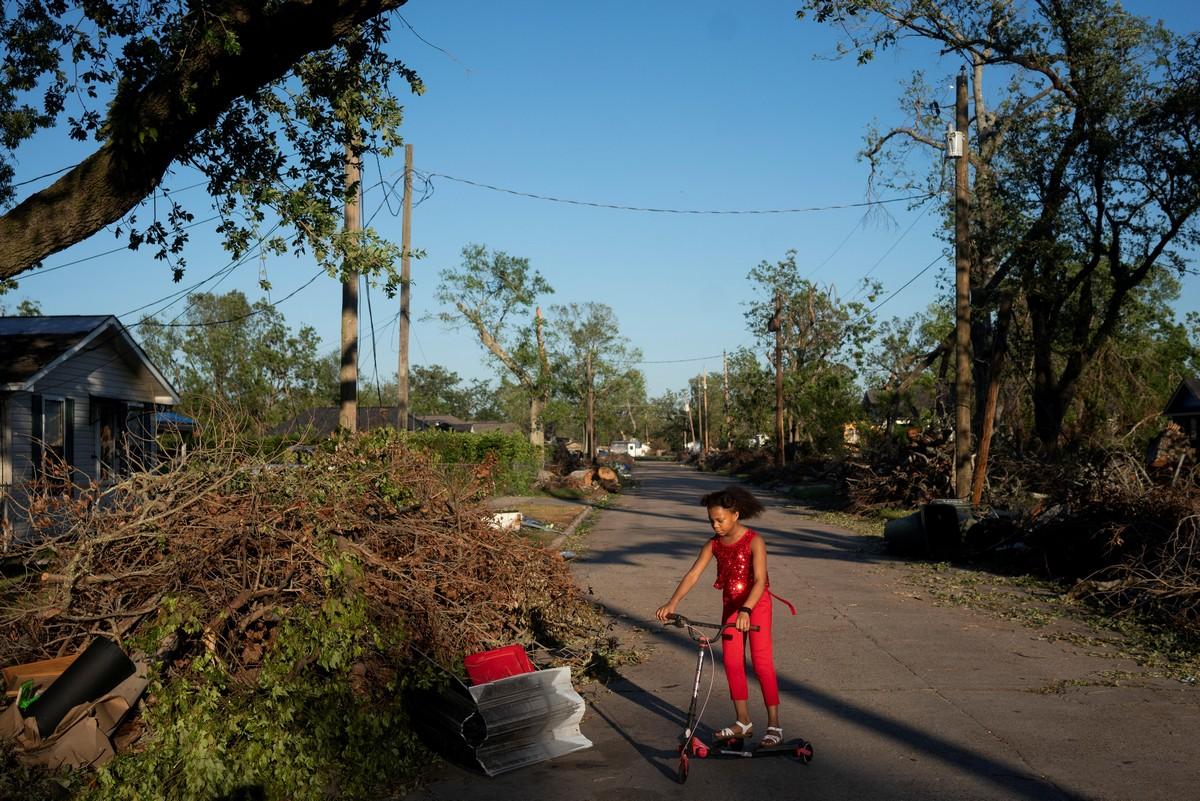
742 623
665 611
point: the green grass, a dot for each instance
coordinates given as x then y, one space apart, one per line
869 526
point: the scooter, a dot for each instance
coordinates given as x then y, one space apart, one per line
735 747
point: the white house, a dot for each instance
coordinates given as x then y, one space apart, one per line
631 447
77 395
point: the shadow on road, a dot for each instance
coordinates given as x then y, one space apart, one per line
1014 784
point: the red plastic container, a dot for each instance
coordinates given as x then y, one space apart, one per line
497 664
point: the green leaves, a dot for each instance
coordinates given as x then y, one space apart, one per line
298 732
223 349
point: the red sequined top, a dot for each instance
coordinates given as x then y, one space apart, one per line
735 571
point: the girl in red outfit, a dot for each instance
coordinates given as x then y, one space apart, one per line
742 579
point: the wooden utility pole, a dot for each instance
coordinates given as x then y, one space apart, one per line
704 401
776 325
405 296
725 402
962 296
589 426
691 429
348 376
695 389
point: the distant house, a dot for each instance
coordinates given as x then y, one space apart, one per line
892 408
1184 409
79 403
322 421
630 447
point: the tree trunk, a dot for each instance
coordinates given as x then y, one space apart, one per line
537 433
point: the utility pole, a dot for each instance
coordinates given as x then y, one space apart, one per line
728 427
348 376
962 294
405 296
589 426
707 417
695 390
776 325
687 408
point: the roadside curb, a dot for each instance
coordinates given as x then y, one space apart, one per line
570 529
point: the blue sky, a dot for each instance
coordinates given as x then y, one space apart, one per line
700 105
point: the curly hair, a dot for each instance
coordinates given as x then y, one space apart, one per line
735 498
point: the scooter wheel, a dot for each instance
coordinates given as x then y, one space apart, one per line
682 773
804 752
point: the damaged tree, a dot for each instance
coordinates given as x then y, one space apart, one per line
489 291
1086 169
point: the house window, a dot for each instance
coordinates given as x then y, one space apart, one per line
138 441
54 430
53 441
108 421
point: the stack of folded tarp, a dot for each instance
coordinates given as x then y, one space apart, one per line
509 717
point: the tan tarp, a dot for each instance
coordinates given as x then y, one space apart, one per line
84 737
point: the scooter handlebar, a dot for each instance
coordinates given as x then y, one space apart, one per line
681 622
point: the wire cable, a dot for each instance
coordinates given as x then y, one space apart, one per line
44 270
374 347
249 314
550 198
44 175
900 289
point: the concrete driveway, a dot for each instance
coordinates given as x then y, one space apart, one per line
901 699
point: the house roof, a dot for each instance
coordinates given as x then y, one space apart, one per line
30 347
174 421
1186 400
323 421
28 344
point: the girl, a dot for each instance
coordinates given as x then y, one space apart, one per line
742 579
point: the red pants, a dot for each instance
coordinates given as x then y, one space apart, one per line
762 653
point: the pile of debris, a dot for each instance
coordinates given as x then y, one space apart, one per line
1114 531
903 472
571 469
208 564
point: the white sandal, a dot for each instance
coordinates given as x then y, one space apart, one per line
728 733
772 738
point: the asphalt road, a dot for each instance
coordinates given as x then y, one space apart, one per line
902 699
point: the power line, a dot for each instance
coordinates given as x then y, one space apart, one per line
902 287
676 361
44 270
899 239
44 175
374 345
430 176
224 272
247 315
857 225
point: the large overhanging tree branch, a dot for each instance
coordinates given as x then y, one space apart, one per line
182 79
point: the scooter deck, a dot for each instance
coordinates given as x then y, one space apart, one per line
736 748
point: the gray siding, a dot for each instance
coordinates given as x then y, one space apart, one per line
21 419
102 372
16 436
